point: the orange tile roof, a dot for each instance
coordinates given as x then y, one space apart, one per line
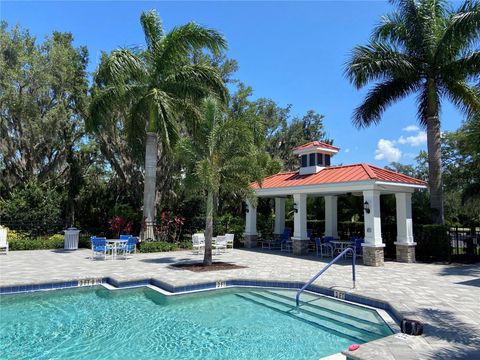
337 174
316 144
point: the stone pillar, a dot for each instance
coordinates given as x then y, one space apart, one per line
300 238
250 234
279 216
373 246
405 244
331 216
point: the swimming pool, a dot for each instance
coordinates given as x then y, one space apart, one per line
96 323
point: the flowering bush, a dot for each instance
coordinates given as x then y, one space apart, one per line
118 225
168 228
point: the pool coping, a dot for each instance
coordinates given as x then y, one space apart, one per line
203 286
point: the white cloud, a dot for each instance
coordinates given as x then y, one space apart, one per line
416 140
386 150
411 128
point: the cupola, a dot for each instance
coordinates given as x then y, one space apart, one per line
314 156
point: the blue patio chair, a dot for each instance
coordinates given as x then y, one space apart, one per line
357 244
99 246
130 247
324 246
285 241
278 242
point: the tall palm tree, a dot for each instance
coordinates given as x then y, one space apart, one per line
422 48
159 86
220 155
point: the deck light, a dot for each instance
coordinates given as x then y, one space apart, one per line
295 207
366 207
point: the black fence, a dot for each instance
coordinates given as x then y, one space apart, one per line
35 229
465 244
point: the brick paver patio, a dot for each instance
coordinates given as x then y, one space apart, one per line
446 298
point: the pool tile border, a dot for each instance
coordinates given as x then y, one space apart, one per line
190 288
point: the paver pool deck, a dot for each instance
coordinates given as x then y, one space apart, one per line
446 298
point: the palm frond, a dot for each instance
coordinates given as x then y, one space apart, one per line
165 112
462 31
183 40
380 97
378 61
391 29
464 96
123 66
152 28
191 81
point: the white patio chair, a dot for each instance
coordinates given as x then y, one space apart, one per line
198 242
220 243
230 238
3 240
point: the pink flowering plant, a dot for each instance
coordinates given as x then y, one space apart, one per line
120 225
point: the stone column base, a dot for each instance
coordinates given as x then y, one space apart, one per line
250 241
405 252
373 256
300 247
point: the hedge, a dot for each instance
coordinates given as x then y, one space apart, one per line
53 242
163 246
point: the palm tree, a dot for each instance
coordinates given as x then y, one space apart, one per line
220 155
422 48
159 86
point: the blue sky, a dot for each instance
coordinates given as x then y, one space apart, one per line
291 52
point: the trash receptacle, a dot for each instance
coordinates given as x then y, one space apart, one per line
71 238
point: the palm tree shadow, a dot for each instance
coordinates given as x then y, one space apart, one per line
163 260
462 338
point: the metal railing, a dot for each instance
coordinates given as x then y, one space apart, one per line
325 268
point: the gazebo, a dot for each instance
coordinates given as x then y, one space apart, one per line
317 177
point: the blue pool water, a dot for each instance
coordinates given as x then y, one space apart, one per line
95 323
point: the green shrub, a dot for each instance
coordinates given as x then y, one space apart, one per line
35 244
84 242
14 235
57 237
156 246
433 243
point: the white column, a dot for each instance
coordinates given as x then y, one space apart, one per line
331 216
373 227
250 219
404 218
279 216
300 217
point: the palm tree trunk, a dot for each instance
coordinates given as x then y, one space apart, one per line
434 143
207 259
149 192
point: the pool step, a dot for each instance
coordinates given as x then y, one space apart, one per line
358 312
340 329
336 311
339 321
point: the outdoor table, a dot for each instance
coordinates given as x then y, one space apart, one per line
115 244
341 244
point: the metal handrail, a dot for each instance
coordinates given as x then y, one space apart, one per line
344 252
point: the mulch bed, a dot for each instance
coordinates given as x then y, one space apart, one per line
216 265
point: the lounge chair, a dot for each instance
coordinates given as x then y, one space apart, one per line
99 246
3 240
220 243
230 238
198 242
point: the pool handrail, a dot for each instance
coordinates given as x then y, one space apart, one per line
325 268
